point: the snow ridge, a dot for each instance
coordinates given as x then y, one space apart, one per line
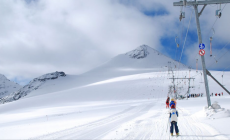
33 85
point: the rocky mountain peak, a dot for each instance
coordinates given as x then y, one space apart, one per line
139 53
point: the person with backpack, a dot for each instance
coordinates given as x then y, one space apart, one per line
173 119
167 102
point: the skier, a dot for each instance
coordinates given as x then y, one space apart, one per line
173 119
173 102
167 102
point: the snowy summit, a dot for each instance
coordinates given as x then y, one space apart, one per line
138 53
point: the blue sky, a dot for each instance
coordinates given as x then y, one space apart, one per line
74 36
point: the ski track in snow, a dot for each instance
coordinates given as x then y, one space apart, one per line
144 121
94 130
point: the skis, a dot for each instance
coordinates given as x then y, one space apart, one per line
175 135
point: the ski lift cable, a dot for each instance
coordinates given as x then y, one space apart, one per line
195 75
178 67
181 34
216 19
222 49
214 32
228 50
197 58
177 72
223 70
223 7
175 53
213 25
185 38
212 29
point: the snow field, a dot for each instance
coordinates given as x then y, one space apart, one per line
143 120
125 107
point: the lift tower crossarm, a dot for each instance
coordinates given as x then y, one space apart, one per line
209 74
202 10
181 78
191 3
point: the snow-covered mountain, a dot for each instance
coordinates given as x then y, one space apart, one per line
140 60
143 59
35 84
7 86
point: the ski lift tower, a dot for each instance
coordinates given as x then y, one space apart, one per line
195 4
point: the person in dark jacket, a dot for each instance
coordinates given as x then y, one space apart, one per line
173 119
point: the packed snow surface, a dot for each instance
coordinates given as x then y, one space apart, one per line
125 107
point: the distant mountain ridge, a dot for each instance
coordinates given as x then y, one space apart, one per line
7 86
33 85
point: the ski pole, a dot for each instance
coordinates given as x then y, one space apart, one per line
169 134
167 126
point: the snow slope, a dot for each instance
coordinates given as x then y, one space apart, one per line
7 86
126 107
110 103
143 59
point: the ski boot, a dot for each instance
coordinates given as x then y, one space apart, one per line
171 134
177 134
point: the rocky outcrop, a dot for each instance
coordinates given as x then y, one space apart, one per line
139 53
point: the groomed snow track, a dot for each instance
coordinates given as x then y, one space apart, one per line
140 121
